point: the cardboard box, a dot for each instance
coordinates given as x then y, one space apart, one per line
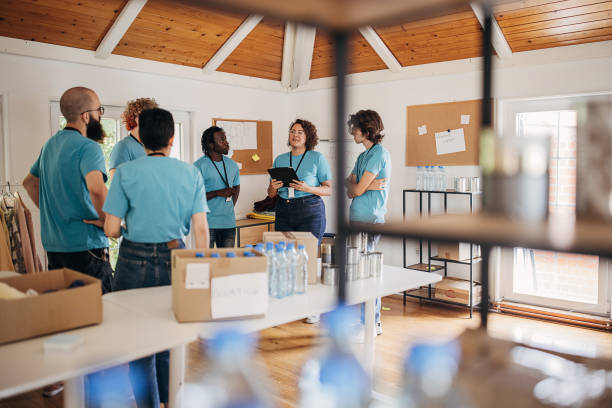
206 288
46 313
310 242
457 290
459 251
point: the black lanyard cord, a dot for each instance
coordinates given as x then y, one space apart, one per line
299 164
226 179
156 154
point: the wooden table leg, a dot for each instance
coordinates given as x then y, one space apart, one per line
177 376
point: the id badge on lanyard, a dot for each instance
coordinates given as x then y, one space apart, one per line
228 199
291 192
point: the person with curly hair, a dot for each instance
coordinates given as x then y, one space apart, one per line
368 183
130 148
300 207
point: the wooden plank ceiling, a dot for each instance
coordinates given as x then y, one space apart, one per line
186 33
536 24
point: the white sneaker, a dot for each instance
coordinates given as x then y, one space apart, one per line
313 319
378 328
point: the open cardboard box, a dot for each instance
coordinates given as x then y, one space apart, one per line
310 242
205 288
52 312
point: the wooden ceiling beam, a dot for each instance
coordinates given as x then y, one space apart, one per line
123 22
232 43
381 48
302 55
498 40
288 54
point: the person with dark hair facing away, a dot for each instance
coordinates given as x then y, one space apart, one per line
160 199
300 207
368 183
222 179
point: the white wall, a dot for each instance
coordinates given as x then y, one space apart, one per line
390 99
29 84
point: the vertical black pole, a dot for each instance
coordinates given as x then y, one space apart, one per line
486 126
341 59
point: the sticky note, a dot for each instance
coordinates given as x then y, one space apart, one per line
255 158
465 119
422 130
239 165
450 141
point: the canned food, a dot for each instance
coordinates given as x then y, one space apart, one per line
329 275
375 264
326 254
352 256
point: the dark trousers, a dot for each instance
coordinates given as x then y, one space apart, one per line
93 262
222 237
301 214
141 266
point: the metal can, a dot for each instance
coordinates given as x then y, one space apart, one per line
352 256
329 275
475 187
352 272
363 265
375 264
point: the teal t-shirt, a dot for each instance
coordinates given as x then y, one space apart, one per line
64 199
371 206
221 213
127 149
314 170
156 196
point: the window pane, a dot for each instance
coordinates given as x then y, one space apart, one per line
176 147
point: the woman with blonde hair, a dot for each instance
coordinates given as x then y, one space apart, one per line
130 148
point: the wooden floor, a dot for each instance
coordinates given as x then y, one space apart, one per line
284 349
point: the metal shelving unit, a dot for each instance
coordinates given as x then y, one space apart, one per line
429 267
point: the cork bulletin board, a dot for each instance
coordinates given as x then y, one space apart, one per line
443 134
258 158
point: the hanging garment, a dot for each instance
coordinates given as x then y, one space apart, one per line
6 261
26 245
3 224
38 267
10 216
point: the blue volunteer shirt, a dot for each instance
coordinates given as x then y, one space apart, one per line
127 149
64 199
221 213
371 206
156 196
314 170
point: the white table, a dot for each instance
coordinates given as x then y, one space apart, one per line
140 322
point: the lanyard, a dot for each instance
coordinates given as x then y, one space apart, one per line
299 164
226 179
137 141
156 154
360 162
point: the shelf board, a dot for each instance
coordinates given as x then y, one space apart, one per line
421 293
341 15
423 267
440 259
585 237
442 192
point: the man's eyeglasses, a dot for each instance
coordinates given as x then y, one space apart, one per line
100 109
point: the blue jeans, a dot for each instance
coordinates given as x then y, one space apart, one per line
141 266
223 237
301 214
372 242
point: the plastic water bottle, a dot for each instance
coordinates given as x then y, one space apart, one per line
233 380
292 259
442 175
301 278
419 178
280 272
272 278
429 373
336 379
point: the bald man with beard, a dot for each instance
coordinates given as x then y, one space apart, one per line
67 183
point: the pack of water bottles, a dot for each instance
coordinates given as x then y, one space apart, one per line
431 178
287 268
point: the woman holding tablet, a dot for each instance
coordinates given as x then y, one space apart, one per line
300 207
